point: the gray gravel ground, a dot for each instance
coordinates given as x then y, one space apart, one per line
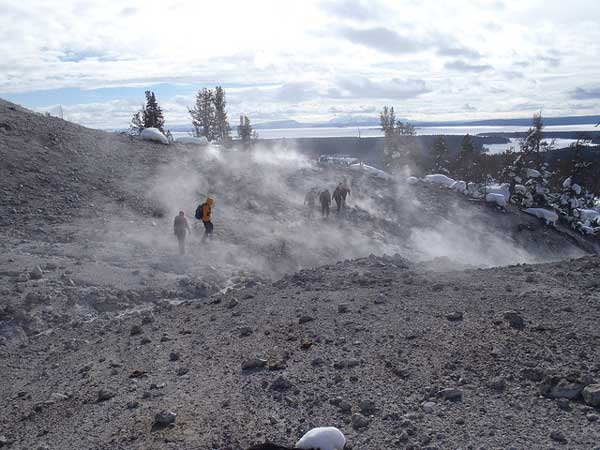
282 323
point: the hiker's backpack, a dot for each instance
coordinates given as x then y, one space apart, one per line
199 212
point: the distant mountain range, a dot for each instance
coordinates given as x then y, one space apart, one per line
374 121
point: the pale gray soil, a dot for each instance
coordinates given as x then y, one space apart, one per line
94 211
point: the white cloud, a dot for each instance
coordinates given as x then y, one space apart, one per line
311 58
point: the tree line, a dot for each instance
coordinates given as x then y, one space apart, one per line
535 174
208 117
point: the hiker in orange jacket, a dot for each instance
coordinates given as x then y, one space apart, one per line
206 218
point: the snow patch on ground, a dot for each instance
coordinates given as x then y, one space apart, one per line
438 178
371 170
498 199
154 134
192 140
549 216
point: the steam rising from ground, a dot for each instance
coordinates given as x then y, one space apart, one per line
262 226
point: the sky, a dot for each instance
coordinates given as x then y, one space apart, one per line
309 60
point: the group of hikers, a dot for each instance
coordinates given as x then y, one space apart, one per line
181 226
324 197
203 213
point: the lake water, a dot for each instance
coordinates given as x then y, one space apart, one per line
514 144
308 132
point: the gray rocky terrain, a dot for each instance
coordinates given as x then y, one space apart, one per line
415 319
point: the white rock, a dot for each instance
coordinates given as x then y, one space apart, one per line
323 438
498 199
153 134
441 179
459 186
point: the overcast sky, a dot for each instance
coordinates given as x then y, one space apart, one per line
304 60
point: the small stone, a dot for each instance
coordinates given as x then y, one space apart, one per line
135 330
37 273
281 384
429 407
563 404
345 407
145 340
455 316
592 417
305 319
182 371
133 404
277 365
306 344
451 394
558 436
566 389
232 303
147 319
404 437
532 374
359 421
498 384
591 394
514 319
174 356
22 278
342 308
253 363
245 331
367 407
104 395
165 418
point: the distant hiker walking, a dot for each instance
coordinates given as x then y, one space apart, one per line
181 228
204 213
345 192
311 200
325 199
337 196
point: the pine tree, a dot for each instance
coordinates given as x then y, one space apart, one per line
137 123
149 116
244 129
440 156
153 117
399 142
203 114
221 128
467 161
388 121
531 171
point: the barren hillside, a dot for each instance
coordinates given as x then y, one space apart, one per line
392 320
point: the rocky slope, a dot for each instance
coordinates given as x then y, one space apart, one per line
397 355
283 322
